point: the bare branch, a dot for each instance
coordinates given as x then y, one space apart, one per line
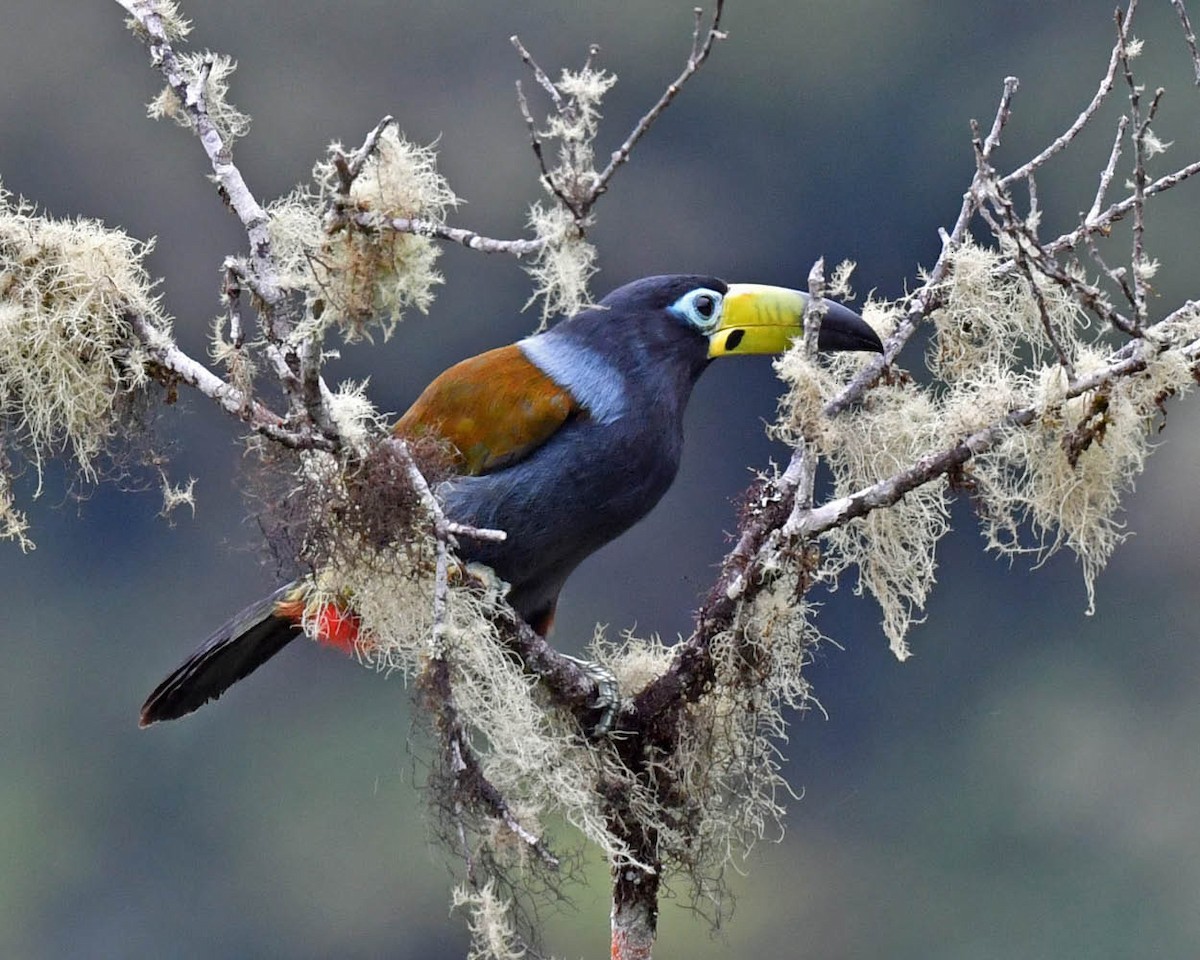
175 365
695 61
1064 140
467 238
1189 36
1109 170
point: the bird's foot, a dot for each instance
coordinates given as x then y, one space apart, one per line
608 695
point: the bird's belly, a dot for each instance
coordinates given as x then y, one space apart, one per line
587 486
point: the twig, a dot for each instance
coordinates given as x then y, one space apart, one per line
444 529
231 296
1139 167
305 393
1189 36
350 168
933 465
699 54
569 686
233 187
535 142
468 238
814 314
539 74
1110 169
177 365
1117 211
928 297
1059 144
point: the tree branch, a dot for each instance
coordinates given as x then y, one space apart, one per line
700 52
306 394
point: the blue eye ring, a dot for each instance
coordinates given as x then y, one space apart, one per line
701 308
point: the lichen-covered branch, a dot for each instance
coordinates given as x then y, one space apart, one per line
467 238
196 101
1047 445
1041 417
171 365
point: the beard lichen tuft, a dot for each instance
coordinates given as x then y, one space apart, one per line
702 790
894 550
1064 476
73 375
209 73
493 933
338 249
989 318
566 262
562 269
1000 346
175 26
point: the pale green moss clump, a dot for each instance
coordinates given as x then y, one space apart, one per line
69 363
353 270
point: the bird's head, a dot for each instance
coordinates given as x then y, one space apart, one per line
709 318
647 343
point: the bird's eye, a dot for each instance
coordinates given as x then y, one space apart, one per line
701 308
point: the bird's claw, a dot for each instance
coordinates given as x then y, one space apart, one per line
608 695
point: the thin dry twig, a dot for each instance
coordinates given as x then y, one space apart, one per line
701 48
1189 36
467 238
171 365
545 176
1140 128
261 273
1110 169
1064 140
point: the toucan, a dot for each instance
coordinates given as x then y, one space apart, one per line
563 440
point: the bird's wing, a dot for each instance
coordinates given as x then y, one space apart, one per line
495 409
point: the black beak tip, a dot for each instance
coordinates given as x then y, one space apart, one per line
842 329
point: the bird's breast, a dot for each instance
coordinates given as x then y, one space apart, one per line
585 486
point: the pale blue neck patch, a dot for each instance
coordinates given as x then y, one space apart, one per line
590 378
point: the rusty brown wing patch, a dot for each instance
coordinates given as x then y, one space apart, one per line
494 408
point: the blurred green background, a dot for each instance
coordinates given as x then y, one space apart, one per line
1027 785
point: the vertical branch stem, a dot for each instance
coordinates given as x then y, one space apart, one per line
634 913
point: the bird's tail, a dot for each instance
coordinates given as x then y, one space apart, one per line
241 646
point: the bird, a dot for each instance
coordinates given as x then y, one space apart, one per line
563 440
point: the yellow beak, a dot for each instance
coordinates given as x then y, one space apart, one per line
756 318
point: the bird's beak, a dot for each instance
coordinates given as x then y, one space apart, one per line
760 319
